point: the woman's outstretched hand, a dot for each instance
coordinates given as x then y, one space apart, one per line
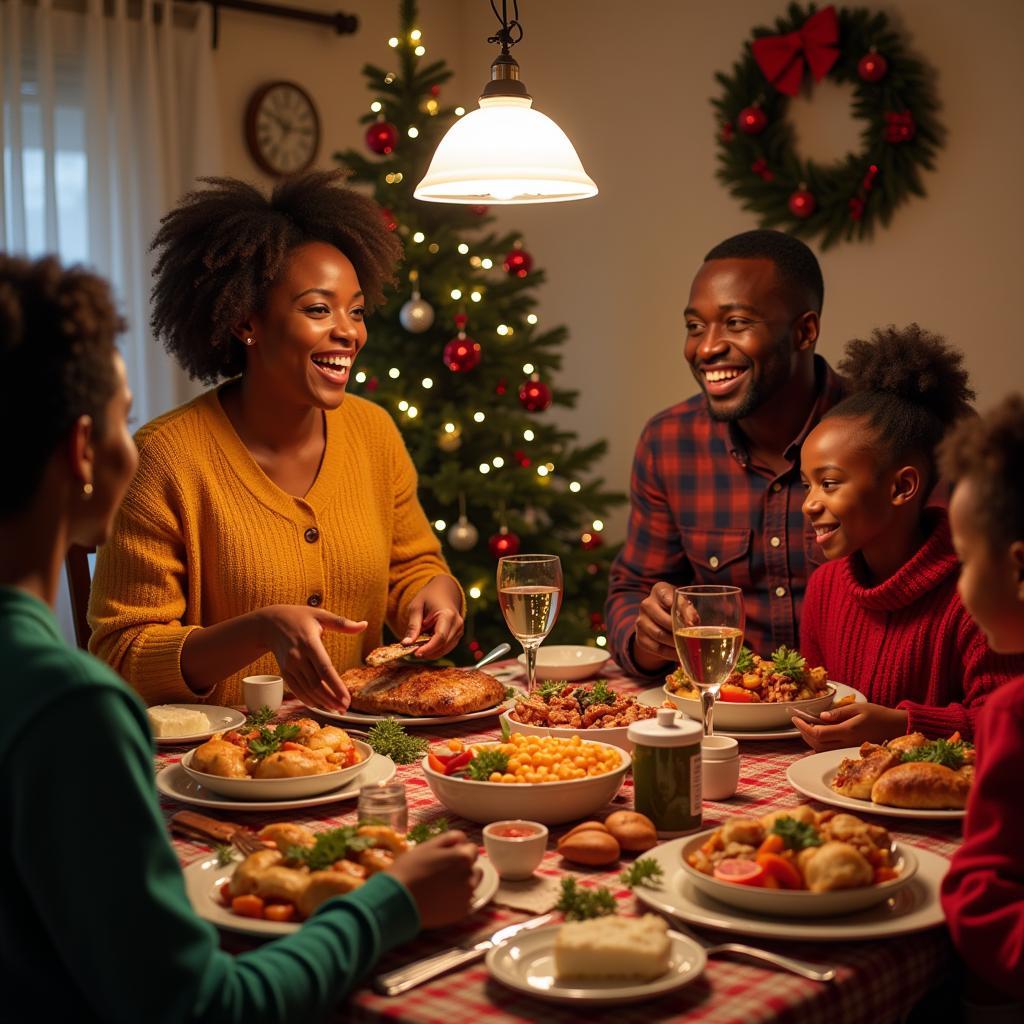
293 633
437 610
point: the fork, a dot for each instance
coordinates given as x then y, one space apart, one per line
200 826
788 963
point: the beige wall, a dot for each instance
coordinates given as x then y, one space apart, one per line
630 84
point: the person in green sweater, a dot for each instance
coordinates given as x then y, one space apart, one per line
94 922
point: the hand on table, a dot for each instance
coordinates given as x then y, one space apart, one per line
293 634
436 609
441 875
653 643
852 725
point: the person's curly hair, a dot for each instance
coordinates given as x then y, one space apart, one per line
910 385
989 450
221 248
57 331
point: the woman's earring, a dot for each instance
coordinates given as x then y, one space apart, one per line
248 341
87 491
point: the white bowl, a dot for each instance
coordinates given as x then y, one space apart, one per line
616 736
752 717
516 857
550 803
278 789
568 661
799 902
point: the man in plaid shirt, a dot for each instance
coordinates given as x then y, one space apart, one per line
716 494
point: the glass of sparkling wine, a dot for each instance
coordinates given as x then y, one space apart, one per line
530 594
708 639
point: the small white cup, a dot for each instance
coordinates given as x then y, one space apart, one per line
260 690
515 857
720 767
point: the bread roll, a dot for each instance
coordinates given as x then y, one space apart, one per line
921 785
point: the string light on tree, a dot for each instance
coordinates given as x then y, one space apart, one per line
475 592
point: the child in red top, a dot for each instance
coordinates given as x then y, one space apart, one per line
983 894
883 615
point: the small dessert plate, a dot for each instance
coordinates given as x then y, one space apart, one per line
526 963
221 719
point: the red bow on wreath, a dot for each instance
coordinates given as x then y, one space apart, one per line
781 58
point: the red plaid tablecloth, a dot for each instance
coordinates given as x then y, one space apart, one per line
878 981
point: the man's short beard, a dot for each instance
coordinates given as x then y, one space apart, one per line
751 401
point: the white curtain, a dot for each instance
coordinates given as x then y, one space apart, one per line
109 114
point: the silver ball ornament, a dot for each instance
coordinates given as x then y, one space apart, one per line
463 535
417 315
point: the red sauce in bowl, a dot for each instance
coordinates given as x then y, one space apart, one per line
513 832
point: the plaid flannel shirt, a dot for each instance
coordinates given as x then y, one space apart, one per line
702 512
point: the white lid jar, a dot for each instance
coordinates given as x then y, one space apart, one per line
667 771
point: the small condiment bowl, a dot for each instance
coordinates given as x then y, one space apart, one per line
262 691
720 767
515 857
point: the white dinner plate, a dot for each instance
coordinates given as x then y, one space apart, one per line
527 964
655 697
221 719
914 908
174 783
204 878
811 776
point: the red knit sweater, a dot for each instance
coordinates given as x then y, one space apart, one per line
983 894
908 643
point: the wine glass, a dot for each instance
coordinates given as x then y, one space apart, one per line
530 594
708 643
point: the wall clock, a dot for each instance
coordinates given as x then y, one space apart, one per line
282 128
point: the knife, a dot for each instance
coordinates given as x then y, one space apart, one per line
405 978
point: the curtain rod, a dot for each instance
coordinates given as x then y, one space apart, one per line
343 24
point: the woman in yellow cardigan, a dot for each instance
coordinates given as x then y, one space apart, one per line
273 524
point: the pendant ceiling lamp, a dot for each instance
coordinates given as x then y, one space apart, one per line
505 152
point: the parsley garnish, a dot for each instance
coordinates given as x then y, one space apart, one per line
646 871
786 662
269 742
258 719
427 830
579 904
485 763
745 662
938 751
796 834
511 693
225 854
330 846
550 688
596 694
390 739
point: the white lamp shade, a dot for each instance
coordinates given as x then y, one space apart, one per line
503 153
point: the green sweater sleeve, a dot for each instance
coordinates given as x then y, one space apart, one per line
91 854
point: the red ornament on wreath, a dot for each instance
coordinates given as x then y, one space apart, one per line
534 394
872 67
503 543
899 127
518 263
752 120
382 137
802 203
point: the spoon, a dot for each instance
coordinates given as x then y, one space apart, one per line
499 652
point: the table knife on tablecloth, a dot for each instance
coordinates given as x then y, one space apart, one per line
405 978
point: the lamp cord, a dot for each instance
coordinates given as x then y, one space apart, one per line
511 32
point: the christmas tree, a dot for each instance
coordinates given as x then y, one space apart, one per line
461 361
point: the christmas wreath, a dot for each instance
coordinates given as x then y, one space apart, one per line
893 96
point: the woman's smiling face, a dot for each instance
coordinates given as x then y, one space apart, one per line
310 329
849 494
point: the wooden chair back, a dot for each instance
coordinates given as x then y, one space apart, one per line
76 565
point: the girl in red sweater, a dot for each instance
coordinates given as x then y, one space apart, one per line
883 615
983 894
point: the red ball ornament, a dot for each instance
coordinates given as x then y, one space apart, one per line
534 395
802 203
382 137
752 120
591 540
899 127
372 384
462 354
523 459
872 67
480 211
435 90
726 133
389 218
856 208
762 170
501 387
596 618
518 263
504 542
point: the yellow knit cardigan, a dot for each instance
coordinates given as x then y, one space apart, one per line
204 535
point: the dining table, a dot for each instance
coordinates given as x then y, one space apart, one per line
877 980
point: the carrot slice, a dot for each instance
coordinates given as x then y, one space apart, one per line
781 870
247 906
280 912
